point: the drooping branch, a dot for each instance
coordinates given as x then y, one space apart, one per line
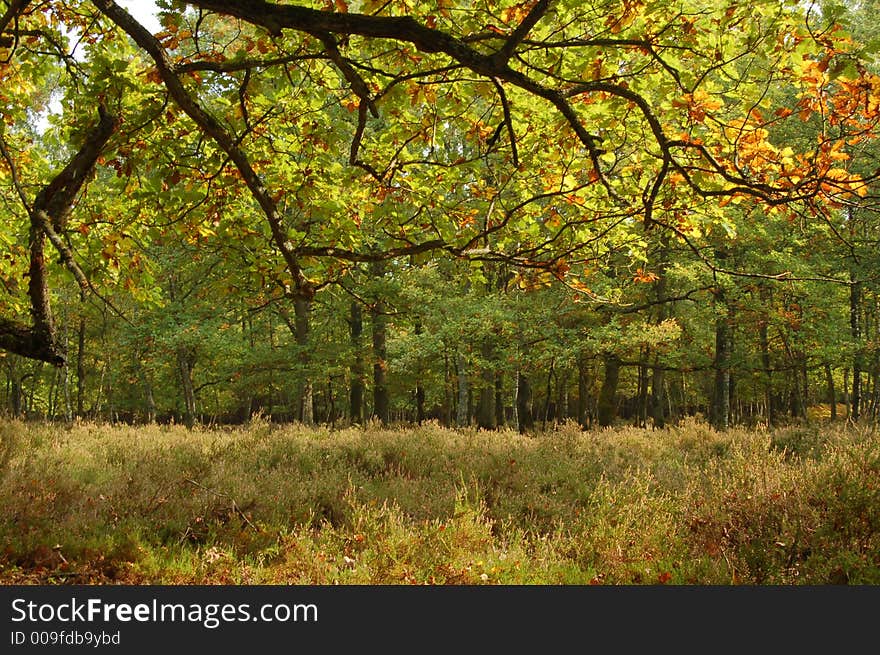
495 65
211 127
13 11
56 198
276 18
47 214
522 31
358 86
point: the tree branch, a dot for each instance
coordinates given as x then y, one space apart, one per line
212 128
49 210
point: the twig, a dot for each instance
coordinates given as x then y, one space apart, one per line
235 506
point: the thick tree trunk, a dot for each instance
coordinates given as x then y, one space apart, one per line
607 409
356 383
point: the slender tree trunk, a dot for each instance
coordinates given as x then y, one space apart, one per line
769 396
832 394
805 382
561 396
658 396
305 401
331 402
525 418
500 419
550 374
149 399
486 403
855 302
68 405
378 323
642 395
448 391
53 393
80 367
607 409
720 413
583 405
461 410
35 382
420 389
875 393
356 383
185 364
658 375
16 397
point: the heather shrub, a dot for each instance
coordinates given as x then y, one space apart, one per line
266 503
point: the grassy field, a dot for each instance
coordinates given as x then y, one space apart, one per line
263 504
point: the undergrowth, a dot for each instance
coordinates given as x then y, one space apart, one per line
265 504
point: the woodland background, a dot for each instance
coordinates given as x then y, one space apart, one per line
472 253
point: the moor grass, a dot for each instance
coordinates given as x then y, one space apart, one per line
267 504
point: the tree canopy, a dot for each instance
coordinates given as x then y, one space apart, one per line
681 186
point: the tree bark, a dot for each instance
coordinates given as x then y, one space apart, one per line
420 389
186 360
48 216
769 395
855 303
378 323
500 418
832 394
461 410
149 399
720 413
356 384
486 403
305 409
607 409
583 405
524 415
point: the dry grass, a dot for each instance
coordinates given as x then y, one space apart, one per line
267 504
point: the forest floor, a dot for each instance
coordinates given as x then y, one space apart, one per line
268 504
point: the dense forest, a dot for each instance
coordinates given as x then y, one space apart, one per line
488 213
